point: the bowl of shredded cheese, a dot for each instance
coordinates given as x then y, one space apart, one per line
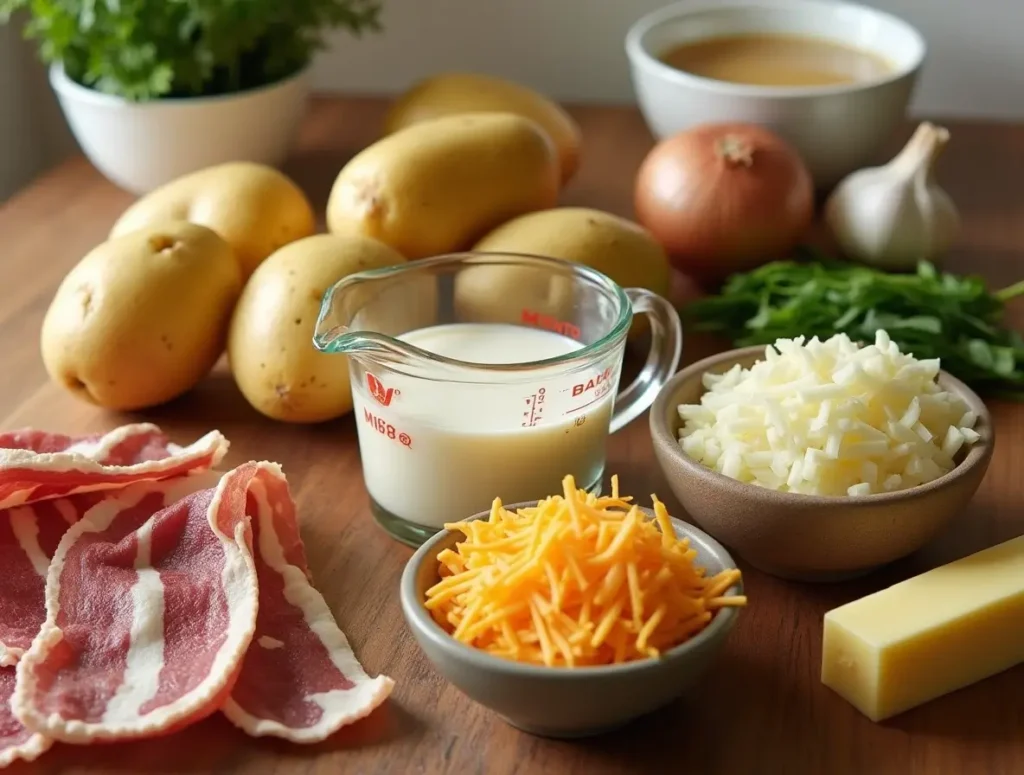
575 614
819 461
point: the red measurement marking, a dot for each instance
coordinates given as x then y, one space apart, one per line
550 322
602 379
384 428
380 393
535 410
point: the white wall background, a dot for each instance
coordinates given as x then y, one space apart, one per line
33 135
573 49
570 49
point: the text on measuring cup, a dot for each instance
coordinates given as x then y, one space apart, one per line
550 323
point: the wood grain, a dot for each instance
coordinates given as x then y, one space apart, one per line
761 710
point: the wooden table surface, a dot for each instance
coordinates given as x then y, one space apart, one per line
762 710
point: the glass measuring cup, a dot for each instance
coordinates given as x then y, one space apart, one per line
531 399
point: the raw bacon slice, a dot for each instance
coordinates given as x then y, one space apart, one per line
16 742
37 466
126 445
150 604
300 679
151 619
29 536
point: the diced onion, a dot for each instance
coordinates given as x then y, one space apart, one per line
829 418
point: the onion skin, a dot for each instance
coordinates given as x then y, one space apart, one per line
724 198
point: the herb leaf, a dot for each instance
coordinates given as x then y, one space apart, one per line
145 49
931 314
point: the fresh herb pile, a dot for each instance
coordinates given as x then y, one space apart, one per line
145 49
930 314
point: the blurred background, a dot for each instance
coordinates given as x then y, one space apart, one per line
575 54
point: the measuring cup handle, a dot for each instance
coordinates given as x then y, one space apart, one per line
662 360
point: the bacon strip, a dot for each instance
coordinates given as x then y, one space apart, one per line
300 679
16 742
168 597
29 534
28 538
151 602
37 466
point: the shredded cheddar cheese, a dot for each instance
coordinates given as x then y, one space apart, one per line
576 580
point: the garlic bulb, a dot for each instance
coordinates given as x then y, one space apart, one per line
894 216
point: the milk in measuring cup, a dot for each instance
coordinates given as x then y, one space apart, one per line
436 452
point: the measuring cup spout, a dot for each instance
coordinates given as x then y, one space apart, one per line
365 312
340 340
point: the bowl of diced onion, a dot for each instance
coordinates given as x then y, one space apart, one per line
613 612
821 461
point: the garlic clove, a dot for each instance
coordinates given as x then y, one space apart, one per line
896 215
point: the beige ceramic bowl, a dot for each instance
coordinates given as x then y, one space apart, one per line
564 702
809 537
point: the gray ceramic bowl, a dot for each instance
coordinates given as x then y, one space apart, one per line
555 701
810 537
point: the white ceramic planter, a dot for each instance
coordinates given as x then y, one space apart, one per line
140 146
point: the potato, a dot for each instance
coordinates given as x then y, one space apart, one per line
619 248
449 93
142 318
255 208
270 344
436 186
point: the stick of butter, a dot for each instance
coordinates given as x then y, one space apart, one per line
929 635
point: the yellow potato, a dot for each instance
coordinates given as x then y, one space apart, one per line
449 93
436 186
270 345
142 318
618 248
615 246
255 208
498 293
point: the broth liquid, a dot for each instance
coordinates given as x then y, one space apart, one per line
777 60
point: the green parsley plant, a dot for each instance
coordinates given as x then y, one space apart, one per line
147 49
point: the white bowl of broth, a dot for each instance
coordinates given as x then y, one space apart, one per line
832 78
